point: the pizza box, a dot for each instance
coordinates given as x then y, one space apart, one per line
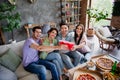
95 74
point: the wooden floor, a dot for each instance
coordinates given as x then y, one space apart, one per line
97 50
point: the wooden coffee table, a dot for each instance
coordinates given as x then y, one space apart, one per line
85 65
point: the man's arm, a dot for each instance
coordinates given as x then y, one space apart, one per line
44 48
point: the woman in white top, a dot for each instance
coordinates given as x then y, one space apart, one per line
80 40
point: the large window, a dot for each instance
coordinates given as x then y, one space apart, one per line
105 5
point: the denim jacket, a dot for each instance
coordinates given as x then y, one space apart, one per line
69 37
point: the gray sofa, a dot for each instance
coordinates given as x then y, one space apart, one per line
10 63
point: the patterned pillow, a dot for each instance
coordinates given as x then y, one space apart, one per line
10 60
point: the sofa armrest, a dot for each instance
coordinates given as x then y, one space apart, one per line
6 74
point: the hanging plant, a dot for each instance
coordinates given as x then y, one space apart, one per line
96 15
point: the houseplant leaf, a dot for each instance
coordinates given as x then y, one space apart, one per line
12 18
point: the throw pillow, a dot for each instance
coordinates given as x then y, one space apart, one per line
105 31
10 60
45 28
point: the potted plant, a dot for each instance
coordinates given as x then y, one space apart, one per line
95 15
10 18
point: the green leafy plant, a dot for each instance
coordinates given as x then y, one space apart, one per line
10 18
96 15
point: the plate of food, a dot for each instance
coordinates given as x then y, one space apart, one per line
83 74
104 63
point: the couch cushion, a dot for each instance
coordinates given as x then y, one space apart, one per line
6 74
49 76
21 72
30 77
3 48
17 47
10 60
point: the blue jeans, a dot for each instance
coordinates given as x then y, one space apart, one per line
88 55
39 67
76 57
56 59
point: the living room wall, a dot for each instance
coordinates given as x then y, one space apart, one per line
41 11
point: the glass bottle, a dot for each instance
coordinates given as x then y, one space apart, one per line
114 68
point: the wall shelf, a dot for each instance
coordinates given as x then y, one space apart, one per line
70 11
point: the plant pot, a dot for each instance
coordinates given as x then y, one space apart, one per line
90 32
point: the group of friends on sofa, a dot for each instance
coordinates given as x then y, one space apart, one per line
40 54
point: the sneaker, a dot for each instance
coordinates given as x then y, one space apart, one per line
83 60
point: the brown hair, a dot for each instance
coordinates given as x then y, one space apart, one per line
76 35
36 27
61 24
51 29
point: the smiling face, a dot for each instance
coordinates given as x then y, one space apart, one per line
79 30
64 29
37 33
52 34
